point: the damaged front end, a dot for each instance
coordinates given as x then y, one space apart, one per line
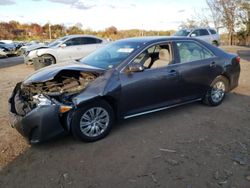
42 110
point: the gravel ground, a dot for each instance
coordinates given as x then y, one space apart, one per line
189 146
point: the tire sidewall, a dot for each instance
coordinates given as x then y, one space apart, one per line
208 97
75 125
54 59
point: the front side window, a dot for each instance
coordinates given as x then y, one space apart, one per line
203 32
73 42
191 51
57 42
156 56
200 32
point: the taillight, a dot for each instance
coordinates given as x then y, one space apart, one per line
237 59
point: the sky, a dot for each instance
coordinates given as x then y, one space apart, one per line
100 14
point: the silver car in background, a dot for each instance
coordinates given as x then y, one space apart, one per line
207 34
65 49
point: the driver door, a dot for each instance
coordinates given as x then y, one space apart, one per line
69 52
150 88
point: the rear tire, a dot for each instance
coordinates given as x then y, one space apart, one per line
216 92
93 121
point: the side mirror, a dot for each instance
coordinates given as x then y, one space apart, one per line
62 45
136 67
193 35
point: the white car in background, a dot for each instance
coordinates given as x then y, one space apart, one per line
207 34
66 49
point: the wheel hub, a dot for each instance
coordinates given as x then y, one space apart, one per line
94 121
218 91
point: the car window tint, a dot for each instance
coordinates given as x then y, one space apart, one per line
200 32
191 51
203 32
90 40
213 32
73 42
196 32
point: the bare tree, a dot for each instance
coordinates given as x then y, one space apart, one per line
202 18
216 18
188 24
225 12
245 16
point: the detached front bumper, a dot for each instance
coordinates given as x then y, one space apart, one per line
40 124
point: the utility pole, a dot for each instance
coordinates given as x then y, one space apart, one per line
49 31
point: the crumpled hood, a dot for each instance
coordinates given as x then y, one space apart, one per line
48 73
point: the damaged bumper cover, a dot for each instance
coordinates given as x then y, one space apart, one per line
40 124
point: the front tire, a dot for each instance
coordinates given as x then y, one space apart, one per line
93 121
48 59
216 92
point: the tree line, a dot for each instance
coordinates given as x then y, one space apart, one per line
13 30
232 15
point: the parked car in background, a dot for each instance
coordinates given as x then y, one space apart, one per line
27 47
3 52
124 79
66 49
207 34
6 41
8 49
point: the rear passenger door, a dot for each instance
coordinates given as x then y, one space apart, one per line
197 67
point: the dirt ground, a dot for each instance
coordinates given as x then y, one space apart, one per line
189 146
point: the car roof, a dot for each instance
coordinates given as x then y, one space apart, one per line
193 28
78 35
155 39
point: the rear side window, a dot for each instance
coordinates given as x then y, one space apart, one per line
213 32
90 40
191 51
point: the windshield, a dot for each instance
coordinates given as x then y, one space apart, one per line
183 32
58 41
110 55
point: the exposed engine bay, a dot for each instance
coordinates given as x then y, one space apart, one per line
58 90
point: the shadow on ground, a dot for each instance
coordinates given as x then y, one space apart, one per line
188 146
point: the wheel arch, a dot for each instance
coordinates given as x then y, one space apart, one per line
227 77
52 55
216 42
109 99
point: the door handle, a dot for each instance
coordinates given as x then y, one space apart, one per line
173 72
213 64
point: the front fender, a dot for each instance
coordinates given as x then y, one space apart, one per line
48 51
107 85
